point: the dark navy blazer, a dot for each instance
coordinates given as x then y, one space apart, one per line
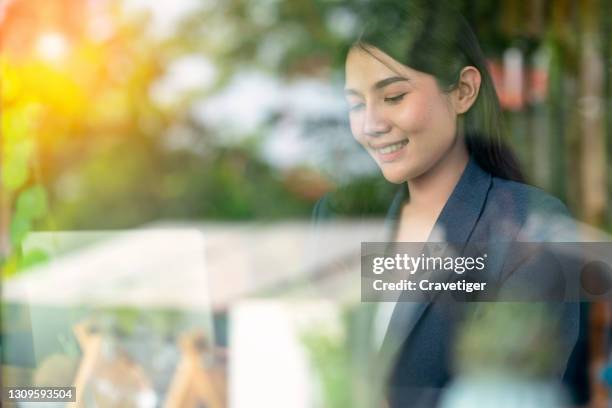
481 208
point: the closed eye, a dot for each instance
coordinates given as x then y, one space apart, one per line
355 107
394 99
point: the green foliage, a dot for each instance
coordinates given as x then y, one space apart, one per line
367 196
509 338
329 358
84 143
31 206
32 203
15 171
345 361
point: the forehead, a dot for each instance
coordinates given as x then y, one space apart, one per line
365 68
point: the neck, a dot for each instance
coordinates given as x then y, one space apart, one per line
432 189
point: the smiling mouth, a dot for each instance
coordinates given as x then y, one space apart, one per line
390 148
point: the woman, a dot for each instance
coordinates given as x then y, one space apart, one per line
422 104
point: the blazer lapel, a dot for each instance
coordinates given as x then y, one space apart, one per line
457 221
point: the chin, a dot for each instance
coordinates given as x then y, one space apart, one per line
401 175
395 177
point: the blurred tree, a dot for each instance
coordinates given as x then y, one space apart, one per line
86 141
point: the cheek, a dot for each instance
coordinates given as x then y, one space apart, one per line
416 116
445 122
355 122
428 117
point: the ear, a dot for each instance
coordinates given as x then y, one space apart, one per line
466 89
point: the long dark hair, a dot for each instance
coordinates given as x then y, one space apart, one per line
434 37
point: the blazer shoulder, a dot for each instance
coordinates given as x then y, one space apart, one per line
542 216
533 198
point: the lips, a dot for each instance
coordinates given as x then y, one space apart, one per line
383 145
389 151
392 147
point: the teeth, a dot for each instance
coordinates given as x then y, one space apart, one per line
392 148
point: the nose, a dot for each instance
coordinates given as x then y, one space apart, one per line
375 124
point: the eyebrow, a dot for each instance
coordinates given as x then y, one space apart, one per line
378 85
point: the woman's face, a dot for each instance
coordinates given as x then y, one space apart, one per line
399 115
